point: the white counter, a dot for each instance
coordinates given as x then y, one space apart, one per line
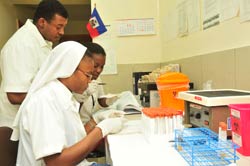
130 148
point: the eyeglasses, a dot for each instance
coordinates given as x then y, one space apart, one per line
88 75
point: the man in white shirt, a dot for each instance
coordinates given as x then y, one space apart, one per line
23 54
59 138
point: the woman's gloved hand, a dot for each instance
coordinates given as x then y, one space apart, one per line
106 114
92 88
110 126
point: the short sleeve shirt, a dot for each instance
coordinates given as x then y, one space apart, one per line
90 104
49 123
21 58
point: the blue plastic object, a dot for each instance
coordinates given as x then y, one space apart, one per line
201 146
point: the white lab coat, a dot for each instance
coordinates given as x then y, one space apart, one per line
49 123
21 58
91 105
48 119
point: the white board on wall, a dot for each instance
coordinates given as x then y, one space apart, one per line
105 41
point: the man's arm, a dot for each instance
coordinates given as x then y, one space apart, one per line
102 102
73 155
107 101
16 98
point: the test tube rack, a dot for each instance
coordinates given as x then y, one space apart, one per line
201 146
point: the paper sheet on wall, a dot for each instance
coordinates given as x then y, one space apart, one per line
182 19
194 15
105 41
211 15
170 26
228 9
128 27
244 10
110 66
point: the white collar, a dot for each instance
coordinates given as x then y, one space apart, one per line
33 29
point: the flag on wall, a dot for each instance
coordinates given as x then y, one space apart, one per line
95 25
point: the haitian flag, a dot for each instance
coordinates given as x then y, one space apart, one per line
95 25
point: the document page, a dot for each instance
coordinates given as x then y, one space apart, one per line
128 103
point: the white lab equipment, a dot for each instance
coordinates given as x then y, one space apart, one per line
160 123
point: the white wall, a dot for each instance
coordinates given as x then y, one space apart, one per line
132 49
227 35
153 48
147 49
8 21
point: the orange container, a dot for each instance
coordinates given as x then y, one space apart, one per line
154 112
168 86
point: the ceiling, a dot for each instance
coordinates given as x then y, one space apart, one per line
78 9
65 2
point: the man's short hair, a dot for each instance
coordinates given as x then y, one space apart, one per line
47 10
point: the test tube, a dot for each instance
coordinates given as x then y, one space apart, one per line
162 123
170 127
166 125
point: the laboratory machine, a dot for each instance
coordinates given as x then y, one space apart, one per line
207 108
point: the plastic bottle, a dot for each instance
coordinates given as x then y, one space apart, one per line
222 131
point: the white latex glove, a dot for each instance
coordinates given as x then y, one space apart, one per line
92 88
111 100
106 114
110 126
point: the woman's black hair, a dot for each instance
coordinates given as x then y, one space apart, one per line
95 48
88 53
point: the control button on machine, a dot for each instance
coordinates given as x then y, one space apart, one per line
198 115
206 112
206 122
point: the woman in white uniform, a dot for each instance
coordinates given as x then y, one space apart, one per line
91 99
48 124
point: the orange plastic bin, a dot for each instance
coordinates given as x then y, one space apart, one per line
168 86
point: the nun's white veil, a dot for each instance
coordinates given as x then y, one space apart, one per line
61 63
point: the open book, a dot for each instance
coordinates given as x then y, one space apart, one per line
131 109
127 103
